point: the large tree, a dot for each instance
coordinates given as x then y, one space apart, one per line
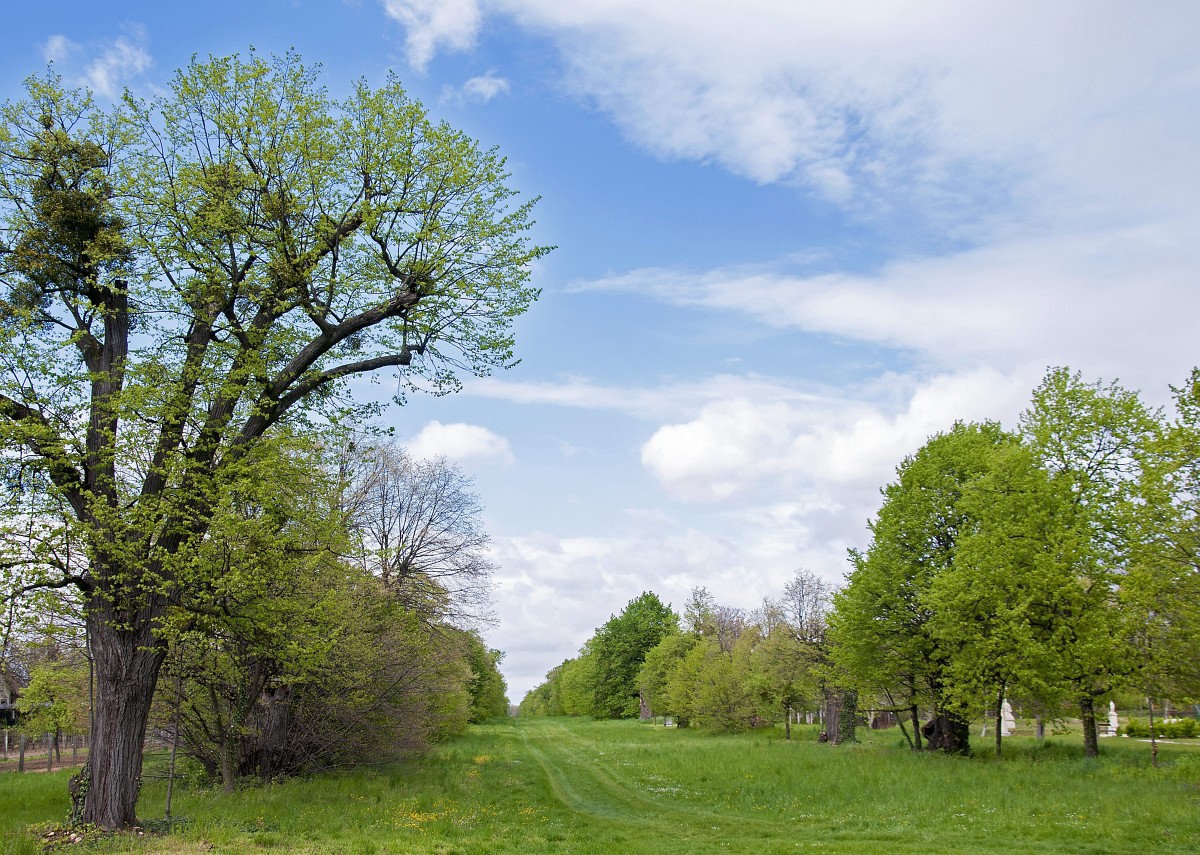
180 277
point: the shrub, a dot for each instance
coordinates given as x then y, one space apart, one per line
1184 728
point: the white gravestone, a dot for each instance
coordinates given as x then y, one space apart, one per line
1007 723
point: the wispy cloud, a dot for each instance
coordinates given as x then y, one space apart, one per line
1118 300
122 60
477 90
59 48
433 25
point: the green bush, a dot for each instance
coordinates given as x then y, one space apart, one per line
1184 728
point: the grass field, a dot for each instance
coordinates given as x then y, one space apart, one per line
557 785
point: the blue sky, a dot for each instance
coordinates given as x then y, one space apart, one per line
794 240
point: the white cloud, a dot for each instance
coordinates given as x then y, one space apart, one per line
824 448
59 48
1002 111
484 88
477 90
645 402
433 25
125 58
459 442
1119 302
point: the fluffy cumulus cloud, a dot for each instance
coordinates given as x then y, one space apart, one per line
825 447
459 442
477 90
433 25
485 87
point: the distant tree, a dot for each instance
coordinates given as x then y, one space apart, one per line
56 700
720 685
620 647
576 681
486 684
657 676
419 531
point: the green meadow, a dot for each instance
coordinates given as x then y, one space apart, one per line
574 785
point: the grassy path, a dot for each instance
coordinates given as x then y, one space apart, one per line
537 787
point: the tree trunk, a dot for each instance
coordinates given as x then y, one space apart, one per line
1091 743
916 723
1000 716
848 718
999 725
787 722
126 667
947 732
272 718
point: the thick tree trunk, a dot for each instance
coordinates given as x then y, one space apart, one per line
841 711
1091 742
273 733
126 668
947 732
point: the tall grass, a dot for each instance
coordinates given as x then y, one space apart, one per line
551 786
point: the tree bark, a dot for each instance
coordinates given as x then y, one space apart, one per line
916 723
127 662
1091 742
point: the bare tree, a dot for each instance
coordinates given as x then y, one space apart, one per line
805 603
419 531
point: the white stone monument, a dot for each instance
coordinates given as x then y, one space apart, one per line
1007 723
1114 723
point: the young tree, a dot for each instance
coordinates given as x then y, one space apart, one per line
882 636
1010 605
657 676
179 278
1095 438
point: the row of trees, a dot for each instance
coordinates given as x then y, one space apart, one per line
1053 566
186 283
718 667
313 636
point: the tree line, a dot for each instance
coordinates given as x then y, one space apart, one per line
317 632
1053 566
